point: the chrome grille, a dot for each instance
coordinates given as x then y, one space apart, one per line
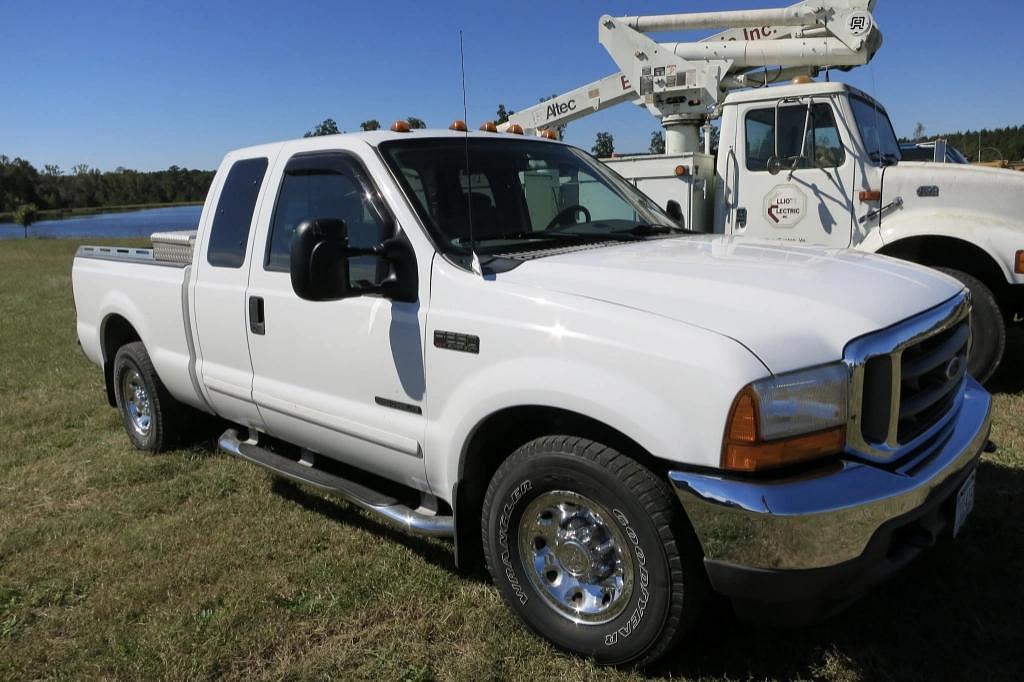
930 371
906 381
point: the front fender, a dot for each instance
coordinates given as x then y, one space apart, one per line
665 385
996 236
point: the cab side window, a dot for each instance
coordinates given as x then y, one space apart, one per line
328 186
822 149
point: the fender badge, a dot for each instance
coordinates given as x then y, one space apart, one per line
928 191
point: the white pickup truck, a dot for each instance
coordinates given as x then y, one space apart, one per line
621 417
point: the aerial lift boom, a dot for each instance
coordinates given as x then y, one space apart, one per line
681 83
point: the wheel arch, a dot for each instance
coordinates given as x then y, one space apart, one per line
951 252
115 332
496 437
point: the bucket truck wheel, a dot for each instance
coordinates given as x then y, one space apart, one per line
152 418
988 328
592 551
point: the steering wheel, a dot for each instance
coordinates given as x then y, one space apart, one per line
568 212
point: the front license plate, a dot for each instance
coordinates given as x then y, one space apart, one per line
964 503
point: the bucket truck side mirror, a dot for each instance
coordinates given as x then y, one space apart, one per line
775 163
675 211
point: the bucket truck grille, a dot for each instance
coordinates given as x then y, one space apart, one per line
907 382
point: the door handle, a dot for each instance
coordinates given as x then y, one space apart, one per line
257 318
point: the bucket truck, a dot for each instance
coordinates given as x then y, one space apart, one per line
805 161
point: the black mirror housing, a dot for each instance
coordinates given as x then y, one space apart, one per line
675 211
319 260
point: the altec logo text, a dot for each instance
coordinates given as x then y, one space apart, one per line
556 109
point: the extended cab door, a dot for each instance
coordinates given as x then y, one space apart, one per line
218 289
342 378
813 204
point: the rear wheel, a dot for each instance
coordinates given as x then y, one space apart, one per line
988 327
591 550
153 419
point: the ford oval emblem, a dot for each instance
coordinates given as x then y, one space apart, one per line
953 368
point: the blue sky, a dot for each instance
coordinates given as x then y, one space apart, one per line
149 84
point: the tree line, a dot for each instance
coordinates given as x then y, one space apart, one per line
22 184
1005 144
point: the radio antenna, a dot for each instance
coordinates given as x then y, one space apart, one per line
475 263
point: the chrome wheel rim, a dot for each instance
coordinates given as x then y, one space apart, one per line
136 401
573 552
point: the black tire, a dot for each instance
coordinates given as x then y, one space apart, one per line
669 586
166 416
988 327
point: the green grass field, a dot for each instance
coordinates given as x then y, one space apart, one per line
192 564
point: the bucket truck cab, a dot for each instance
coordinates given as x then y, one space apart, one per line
792 166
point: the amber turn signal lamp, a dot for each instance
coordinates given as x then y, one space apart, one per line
870 195
1018 265
400 126
681 171
744 452
459 125
515 129
549 134
489 127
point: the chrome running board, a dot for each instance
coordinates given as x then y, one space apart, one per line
379 504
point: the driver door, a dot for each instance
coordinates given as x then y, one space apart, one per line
343 378
810 199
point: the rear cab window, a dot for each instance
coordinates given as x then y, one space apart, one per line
232 221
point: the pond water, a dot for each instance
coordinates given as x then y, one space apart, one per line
141 223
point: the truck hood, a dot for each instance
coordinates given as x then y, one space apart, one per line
792 306
943 187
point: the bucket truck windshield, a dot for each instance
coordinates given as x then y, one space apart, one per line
876 131
518 195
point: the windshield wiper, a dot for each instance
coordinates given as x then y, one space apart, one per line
650 230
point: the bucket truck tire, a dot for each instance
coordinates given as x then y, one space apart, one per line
592 551
152 418
988 327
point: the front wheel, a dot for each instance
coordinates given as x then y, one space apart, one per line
591 550
988 328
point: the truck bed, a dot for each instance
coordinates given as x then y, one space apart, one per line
152 296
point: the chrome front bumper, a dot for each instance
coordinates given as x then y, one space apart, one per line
827 518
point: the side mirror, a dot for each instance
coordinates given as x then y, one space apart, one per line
775 162
319 260
319 263
674 211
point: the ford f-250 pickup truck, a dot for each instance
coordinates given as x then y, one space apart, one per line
497 339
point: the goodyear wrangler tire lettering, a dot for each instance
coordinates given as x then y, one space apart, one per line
638 613
580 539
506 559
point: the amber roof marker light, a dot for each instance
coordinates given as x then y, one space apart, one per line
400 126
458 125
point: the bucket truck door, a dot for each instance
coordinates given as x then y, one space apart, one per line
795 170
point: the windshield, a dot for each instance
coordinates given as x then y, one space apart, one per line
876 131
520 195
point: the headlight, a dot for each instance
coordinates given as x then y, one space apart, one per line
787 419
